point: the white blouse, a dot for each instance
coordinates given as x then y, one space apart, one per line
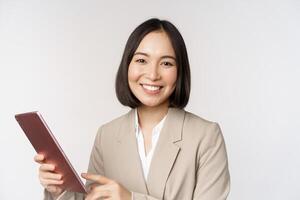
146 159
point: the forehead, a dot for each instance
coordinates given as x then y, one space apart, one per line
156 43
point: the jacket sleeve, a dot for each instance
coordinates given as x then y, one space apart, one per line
95 166
139 196
213 179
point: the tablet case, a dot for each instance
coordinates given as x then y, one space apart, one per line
45 143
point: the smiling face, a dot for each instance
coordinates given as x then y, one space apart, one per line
152 72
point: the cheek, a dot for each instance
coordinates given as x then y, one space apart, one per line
133 73
171 78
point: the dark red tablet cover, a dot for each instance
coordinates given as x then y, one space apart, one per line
45 143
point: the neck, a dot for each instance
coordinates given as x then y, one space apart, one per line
150 116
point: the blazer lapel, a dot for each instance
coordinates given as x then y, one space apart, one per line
165 152
128 148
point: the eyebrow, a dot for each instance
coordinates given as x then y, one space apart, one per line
145 54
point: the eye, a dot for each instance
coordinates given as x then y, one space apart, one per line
168 64
140 60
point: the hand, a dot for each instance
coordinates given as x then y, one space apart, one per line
50 181
105 188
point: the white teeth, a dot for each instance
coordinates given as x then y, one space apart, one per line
150 87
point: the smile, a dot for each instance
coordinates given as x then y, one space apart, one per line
151 89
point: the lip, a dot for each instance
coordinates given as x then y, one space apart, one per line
150 84
151 92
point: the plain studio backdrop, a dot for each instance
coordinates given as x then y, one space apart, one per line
60 58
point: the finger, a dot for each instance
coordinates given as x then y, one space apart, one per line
54 189
97 178
93 185
47 182
95 188
98 192
39 158
49 175
47 167
97 196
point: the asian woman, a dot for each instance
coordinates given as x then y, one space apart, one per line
157 150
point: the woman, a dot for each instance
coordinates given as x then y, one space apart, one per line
157 150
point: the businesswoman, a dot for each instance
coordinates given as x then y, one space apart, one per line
157 150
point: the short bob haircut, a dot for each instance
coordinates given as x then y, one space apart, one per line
180 96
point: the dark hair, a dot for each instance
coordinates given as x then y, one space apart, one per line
180 96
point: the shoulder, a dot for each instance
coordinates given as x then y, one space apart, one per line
197 120
205 131
111 128
116 122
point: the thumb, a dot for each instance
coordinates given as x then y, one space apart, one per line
96 178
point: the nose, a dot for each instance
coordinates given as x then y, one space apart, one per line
153 72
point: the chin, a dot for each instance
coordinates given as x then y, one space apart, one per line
149 104
152 103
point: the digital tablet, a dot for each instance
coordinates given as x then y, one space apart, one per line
44 142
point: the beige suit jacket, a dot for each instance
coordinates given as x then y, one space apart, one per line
189 162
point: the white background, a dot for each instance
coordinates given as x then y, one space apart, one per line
60 57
